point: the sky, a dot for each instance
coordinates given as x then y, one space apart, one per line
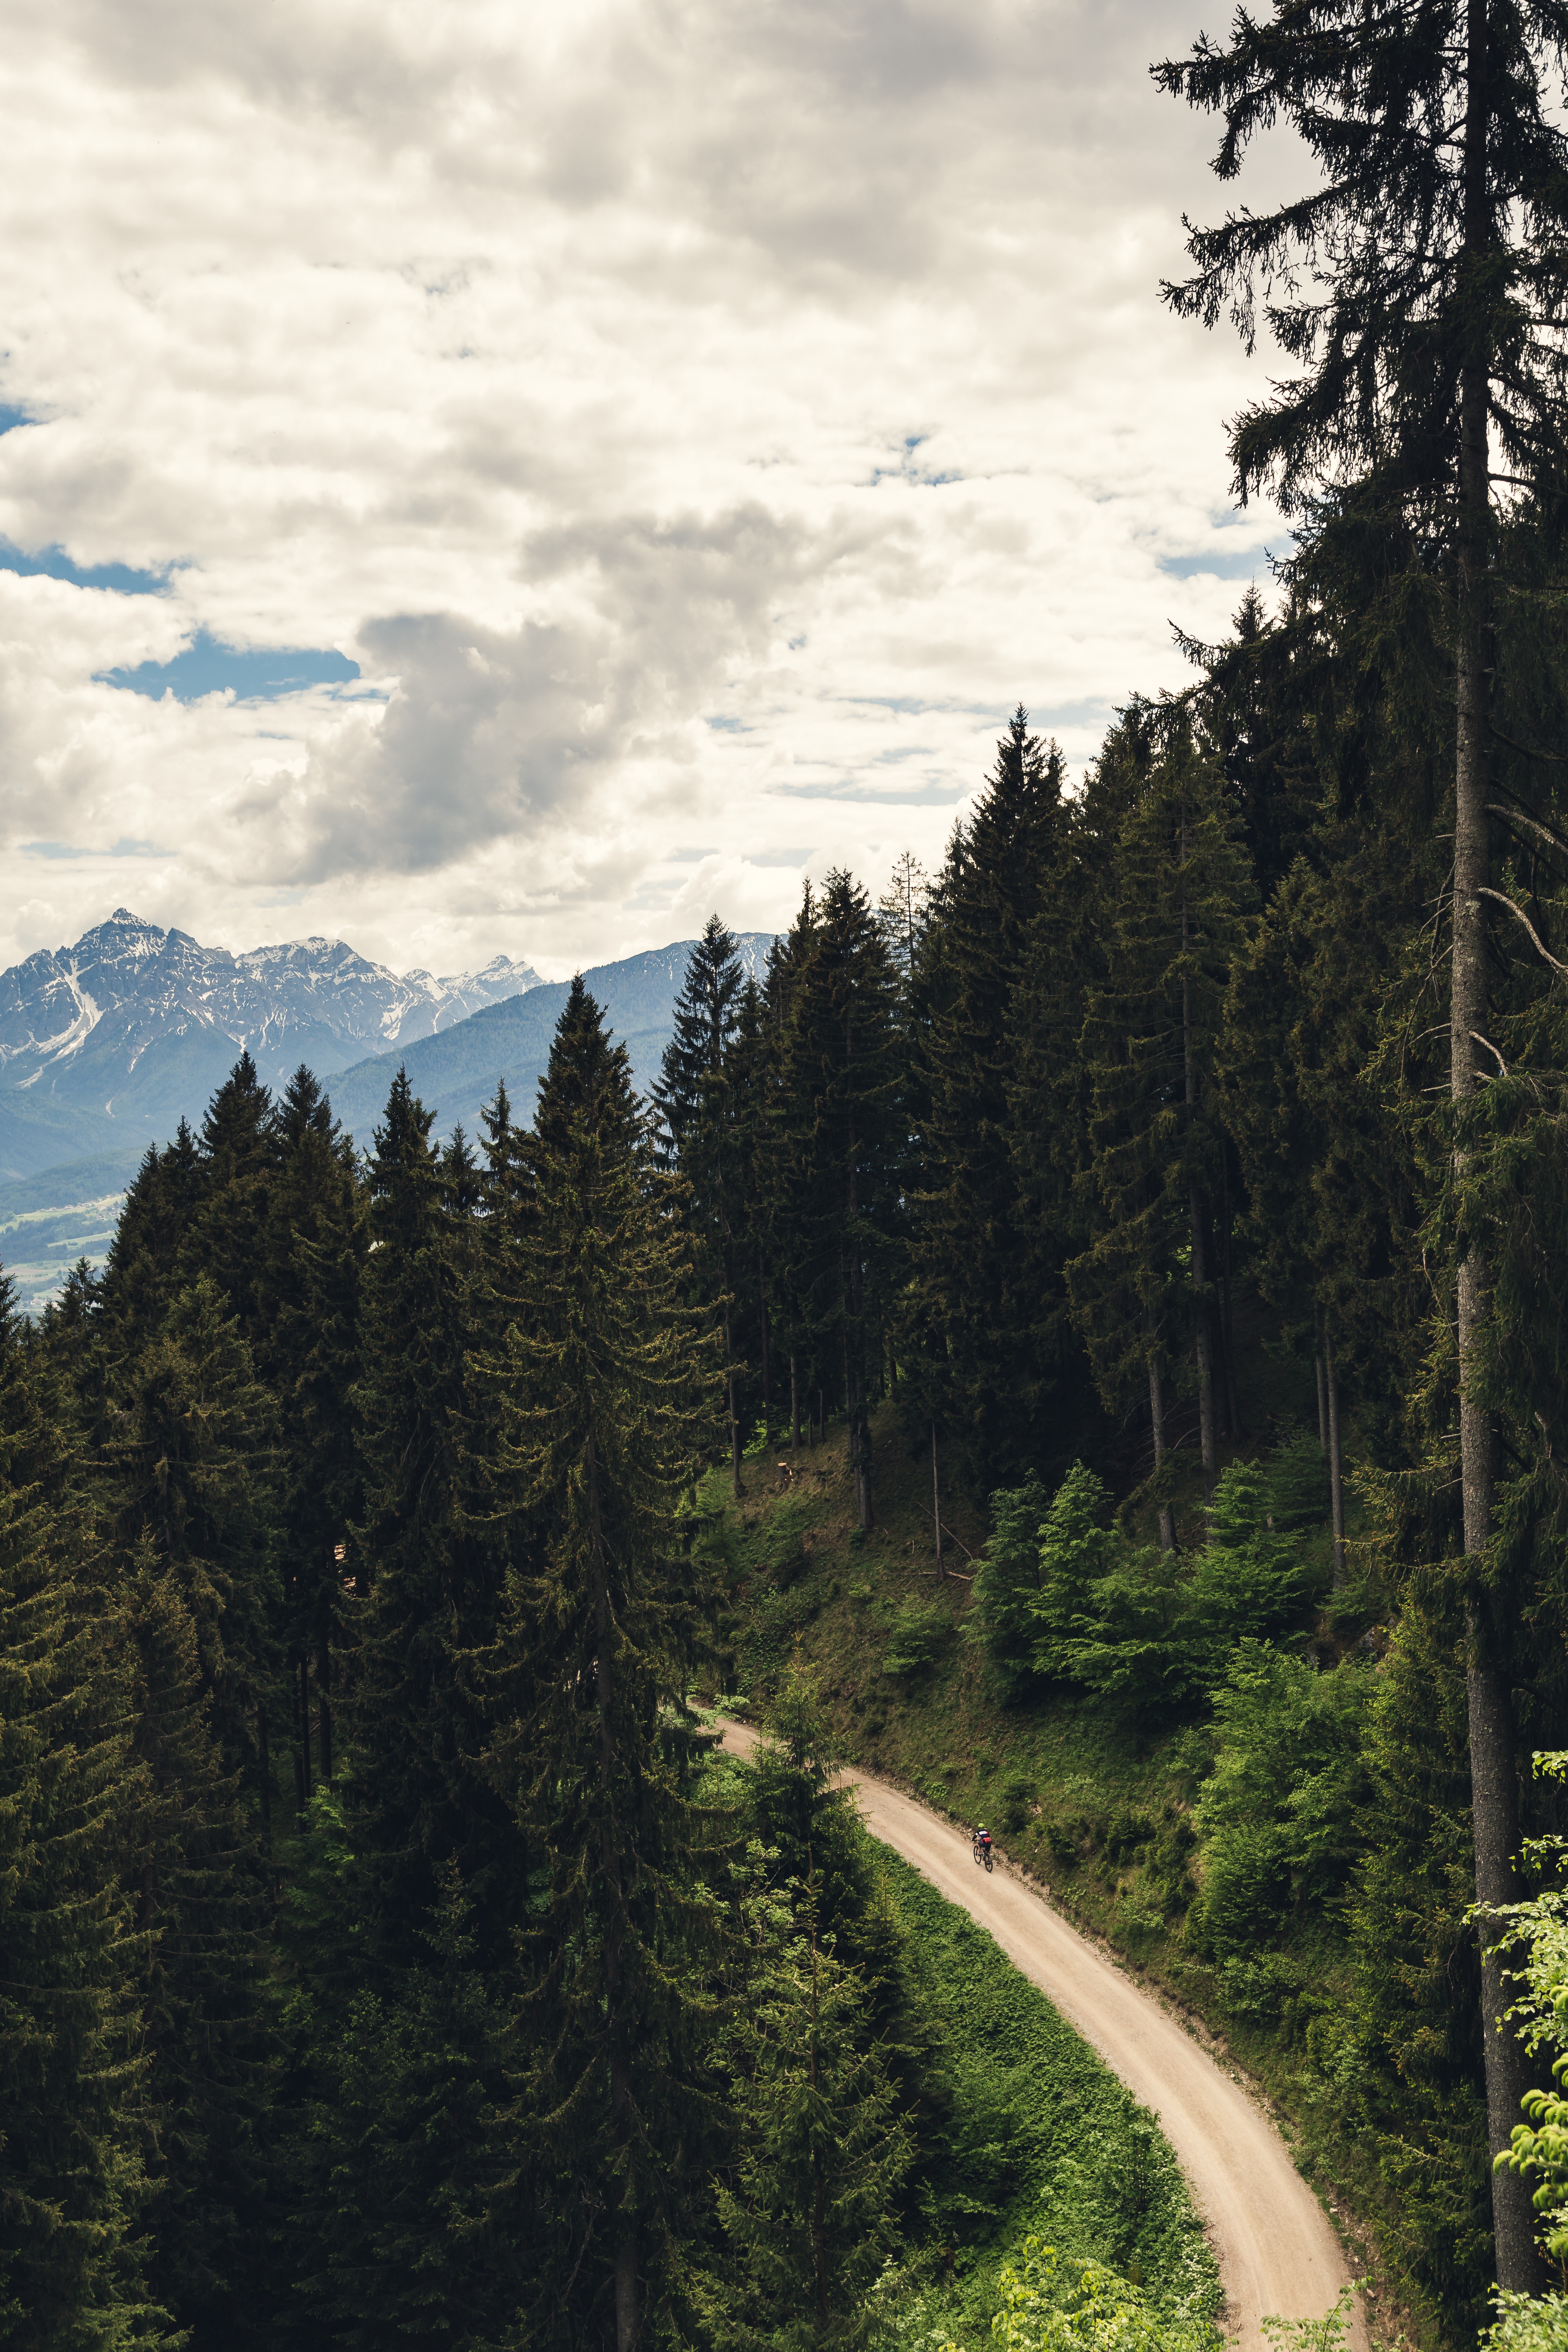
516 478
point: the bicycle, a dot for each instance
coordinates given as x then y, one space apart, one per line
980 1846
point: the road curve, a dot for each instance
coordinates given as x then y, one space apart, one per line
1276 2250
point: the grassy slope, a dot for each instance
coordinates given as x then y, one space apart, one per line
1039 2135
1079 1799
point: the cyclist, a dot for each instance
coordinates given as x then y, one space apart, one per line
981 1842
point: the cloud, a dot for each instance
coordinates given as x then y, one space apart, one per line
702 421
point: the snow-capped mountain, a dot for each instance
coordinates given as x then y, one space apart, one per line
111 1039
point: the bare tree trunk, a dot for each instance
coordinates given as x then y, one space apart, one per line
1336 1463
1323 1386
1493 1785
324 1688
1203 1342
1203 1334
305 1779
767 1354
819 2199
734 1421
794 1406
1157 1416
1227 1327
627 2296
936 1503
264 1767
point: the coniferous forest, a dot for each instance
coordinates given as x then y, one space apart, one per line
1181 1171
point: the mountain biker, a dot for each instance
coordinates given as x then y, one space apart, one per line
982 1838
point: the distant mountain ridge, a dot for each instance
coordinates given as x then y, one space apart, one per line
112 1042
106 1047
455 1073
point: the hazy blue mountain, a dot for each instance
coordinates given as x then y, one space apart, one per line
48 1220
455 1072
109 1043
106 1047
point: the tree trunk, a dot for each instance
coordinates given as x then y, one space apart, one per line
302 1742
324 1686
1157 1417
794 1406
855 1357
1202 1337
627 2296
264 1767
819 2199
936 1503
1228 1327
1494 1787
734 1421
1322 1396
767 1354
1202 1333
1336 1461
304 1725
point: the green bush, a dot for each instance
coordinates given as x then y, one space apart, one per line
1528 2323
1061 2302
1007 1583
1280 1817
915 1640
1078 1601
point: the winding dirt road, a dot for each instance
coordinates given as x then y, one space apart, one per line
1276 2250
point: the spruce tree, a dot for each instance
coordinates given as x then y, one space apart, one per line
227 1240
972 1310
612 1388
193 1468
72 2180
810 2203
1184 899
697 1112
843 1142
190 1858
316 1244
417 1798
1420 289
402 2230
140 1279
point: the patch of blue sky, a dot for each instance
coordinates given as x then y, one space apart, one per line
726 725
1093 710
1250 563
126 846
255 674
906 470
11 417
935 795
54 563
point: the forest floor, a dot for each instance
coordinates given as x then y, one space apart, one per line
1075 1793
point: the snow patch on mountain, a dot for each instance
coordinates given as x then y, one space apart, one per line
126 985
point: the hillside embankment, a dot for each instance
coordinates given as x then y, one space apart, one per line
1088 1806
1278 2254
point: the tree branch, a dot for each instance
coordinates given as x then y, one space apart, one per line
1519 916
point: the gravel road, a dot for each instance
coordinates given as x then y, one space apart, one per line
1276 2249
